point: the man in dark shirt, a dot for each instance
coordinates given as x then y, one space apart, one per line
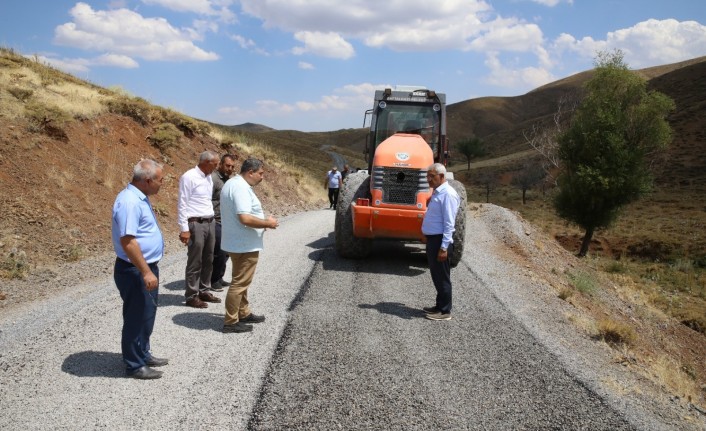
220 176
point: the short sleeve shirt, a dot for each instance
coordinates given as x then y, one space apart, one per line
238 197
334 179
133 216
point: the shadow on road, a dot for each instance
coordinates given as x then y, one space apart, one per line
395 309
170 300
174 285
324 242
200 321
387 257
94 364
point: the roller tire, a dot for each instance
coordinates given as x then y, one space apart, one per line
357 185
459 234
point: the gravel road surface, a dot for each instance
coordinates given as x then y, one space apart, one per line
345 346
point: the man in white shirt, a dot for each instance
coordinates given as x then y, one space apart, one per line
243 223
333 182
438 227
198 229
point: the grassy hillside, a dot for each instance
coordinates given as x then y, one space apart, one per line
659 243
67 147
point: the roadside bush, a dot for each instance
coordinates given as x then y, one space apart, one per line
165 137
583 282
47 119
21 94
134 107
614 332
189 126
14 265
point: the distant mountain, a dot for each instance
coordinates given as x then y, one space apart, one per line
251 127
501 121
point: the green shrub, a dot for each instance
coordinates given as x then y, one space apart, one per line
616 268
134 107
583 282
14 265
189 126
21 94
43 116
165 137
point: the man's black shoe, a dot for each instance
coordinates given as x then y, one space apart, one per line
253 318
145 373
157 362
237 328
216 286
430 310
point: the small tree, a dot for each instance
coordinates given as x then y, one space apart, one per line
605 153
530 175
489 181
470 148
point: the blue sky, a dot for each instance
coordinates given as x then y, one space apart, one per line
313 65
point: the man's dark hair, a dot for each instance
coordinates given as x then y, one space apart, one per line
251 164
227 156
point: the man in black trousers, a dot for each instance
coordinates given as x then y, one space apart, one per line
438 228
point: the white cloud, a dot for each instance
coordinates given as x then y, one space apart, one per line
125 32
201 7
648 43
349 98
83 65
552 3
305 66
330 45
519 78
401 25
115 60
508 35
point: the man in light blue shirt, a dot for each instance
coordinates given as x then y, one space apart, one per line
243 225
438 228
139 246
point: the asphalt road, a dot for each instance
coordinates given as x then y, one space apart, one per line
345 346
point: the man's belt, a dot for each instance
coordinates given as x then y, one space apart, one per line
200 219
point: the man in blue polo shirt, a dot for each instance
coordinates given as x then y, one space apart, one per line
139 246
438 228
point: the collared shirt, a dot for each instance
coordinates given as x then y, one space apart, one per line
219 180
334 179
440 218
195 193
133 216
238 197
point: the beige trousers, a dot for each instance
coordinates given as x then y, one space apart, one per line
237 305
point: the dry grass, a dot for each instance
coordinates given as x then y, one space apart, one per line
614 332
658 243
679 379
31 82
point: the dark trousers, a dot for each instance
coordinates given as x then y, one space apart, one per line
333 196
220 258
139 312
440 272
